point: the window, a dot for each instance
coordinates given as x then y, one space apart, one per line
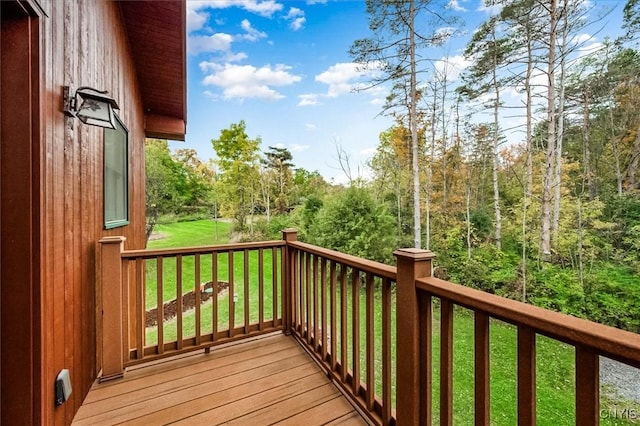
116 176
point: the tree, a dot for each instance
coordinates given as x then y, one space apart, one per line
238 163
352 222
393 50
198 179
163 182
392 177
278 160
489 53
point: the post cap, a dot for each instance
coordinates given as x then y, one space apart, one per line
414 253
113 240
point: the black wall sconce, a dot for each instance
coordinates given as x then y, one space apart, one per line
93 107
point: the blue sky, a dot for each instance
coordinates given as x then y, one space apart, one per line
284 68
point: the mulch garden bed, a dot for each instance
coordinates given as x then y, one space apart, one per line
188 302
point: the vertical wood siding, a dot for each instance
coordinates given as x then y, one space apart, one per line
84 43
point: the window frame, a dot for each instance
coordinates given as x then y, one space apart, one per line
122 130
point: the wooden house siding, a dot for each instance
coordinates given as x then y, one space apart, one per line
51 243
87 45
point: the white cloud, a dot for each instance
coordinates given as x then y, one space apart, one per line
252 34
490 9
296 16
368 151
582 38
246 81
195 20
455 5
279 146
235 57
310 127
590 48
294 12
260 7
343 77
452 66
298 23
443 34
308 99
219 42
294 147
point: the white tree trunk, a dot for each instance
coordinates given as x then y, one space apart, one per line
557 181
545 234
496 158
413 124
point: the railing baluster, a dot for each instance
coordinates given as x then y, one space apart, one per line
296 289
481 351
446 362
587 386
323 305
355 330
179 307
343 322
386 351
308 261
214 295
526 376
245 296
274 281
332 296
370 357
316 341
260 290
160 305
231 294
425 307
198 296
141 308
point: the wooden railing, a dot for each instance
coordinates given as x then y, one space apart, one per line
342 312
372 327
164 292
418 292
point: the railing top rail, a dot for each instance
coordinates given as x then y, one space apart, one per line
376 268
186 251
618 344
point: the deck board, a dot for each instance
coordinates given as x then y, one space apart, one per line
267 380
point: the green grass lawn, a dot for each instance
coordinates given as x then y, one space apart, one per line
555 360
190 234
202 233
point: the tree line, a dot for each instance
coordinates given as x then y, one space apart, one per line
551 218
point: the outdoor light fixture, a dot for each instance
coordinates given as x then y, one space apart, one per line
91 106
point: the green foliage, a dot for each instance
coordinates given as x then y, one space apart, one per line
311 207
272 230
238 162
481 224
557 289
624 236
351 222
175 185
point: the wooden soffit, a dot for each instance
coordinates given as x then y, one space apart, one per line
158 39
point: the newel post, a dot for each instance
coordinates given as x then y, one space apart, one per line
111 284
412 264
288 279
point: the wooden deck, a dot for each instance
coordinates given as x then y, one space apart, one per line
265 380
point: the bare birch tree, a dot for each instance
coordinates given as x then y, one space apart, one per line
393 49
